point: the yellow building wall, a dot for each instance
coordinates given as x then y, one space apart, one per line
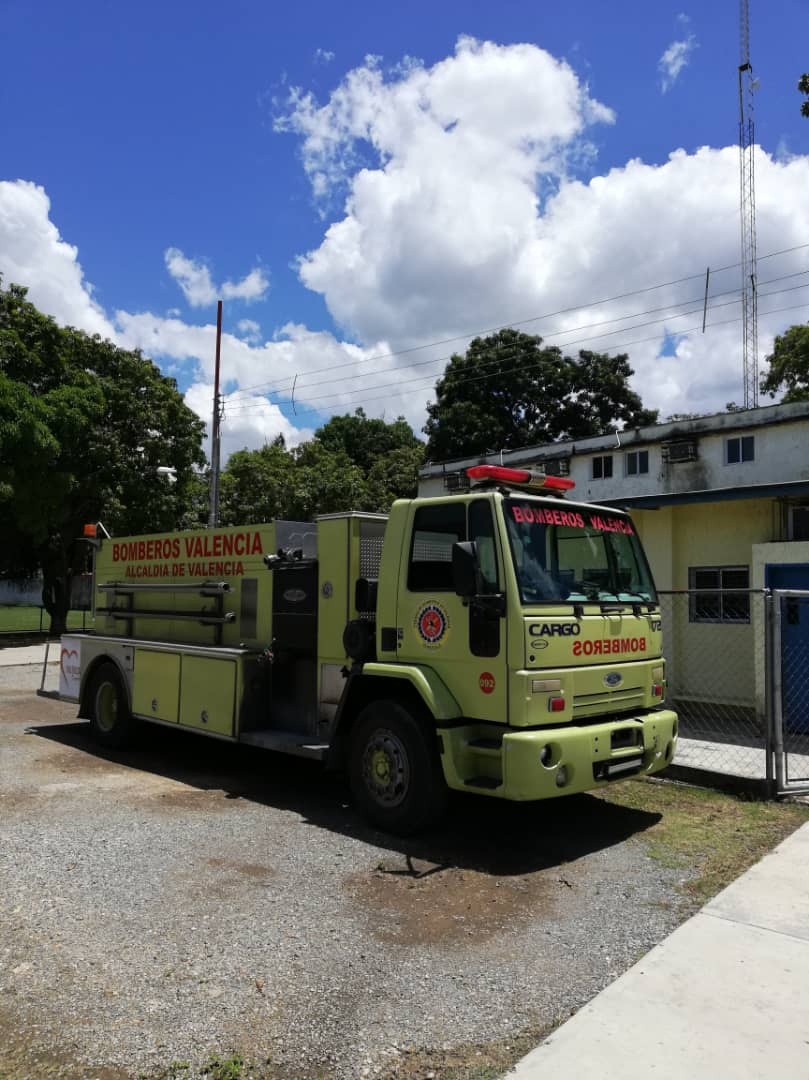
709 662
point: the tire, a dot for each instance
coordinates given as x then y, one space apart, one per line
394 769
111 722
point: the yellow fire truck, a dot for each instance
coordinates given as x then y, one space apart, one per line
504 641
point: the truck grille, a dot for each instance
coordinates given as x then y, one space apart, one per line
623 699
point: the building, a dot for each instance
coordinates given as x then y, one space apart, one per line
722 506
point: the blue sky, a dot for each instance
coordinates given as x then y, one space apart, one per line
477 172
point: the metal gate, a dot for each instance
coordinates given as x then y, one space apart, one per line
788 669
738 678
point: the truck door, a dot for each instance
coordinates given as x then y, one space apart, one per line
464 644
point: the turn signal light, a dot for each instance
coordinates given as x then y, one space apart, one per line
91 531
556 704
657 689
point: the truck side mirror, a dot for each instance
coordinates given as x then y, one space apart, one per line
465 568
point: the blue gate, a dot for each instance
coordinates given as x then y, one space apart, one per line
794 618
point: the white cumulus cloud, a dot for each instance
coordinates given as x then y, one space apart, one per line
194 278
464 197
674 59
33 254
464 217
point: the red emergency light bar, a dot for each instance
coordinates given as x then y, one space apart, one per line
525 478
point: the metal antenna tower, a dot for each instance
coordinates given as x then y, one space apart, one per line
748 214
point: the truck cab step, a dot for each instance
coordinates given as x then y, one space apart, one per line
487 744
488 782
287 742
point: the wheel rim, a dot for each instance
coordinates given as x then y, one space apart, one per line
106 710
385 768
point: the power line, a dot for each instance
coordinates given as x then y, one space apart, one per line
496 361
669 308
522 322
361 400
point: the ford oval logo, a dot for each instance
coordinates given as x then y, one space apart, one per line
294 596
613 679
540 643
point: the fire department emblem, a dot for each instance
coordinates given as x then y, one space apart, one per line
432 624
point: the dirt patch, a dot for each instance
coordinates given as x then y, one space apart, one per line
186 798
410 901
19 1060
78 760
255 871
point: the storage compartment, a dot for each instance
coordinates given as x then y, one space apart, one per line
208 694
156 685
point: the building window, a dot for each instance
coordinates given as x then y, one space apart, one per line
637 462
720 594
602 467
798 522
741 448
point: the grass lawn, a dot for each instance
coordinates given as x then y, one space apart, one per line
28 618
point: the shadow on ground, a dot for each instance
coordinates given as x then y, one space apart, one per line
478 833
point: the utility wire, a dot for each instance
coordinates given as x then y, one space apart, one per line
532 319
509 353
691 304
641 341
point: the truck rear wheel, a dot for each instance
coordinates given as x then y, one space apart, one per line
111 722
395 771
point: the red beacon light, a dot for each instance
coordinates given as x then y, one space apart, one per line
521 478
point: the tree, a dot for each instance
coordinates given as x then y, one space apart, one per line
256 485
352 463
789 365
509 391
84 426
325 481
395 475
364 440
803 87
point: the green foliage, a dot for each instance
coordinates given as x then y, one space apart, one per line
509 391
789 365
803 88
84 426
365 440
255 485
219 1068
352 463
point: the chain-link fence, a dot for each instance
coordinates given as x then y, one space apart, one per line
716 664
737 662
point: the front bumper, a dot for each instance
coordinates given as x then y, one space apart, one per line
547 762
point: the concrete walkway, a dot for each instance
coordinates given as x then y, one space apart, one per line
22 667
726 995
17 655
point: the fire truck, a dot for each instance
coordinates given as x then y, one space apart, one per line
504 640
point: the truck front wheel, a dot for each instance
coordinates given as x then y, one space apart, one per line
111 722
395 772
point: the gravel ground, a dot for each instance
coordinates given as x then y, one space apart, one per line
196 897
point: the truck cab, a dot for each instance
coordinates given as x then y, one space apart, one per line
531 630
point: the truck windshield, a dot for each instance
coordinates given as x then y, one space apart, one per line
578 554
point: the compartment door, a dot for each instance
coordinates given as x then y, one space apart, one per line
156 684
208 694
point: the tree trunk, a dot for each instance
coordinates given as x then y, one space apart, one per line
56 583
